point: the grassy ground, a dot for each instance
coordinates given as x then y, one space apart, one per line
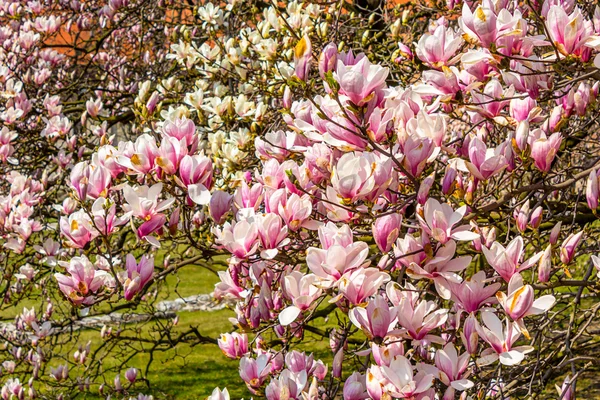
192 373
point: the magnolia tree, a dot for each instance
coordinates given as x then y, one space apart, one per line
415 185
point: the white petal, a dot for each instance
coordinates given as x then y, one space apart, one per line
512 357
289 315
465 235
542 305
462 384
199 194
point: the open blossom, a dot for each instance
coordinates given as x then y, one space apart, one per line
255 371
357 285
452 369
438 220
485 162
501 339
397 381
376 319
439 48
519 301
472 293
77 228
480 25
361 81
303 291
331 263
83 280
441 269
569 33
143 202
507 261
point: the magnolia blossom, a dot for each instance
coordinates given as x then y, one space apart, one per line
398 380
138 275
302 291
501 340
83 280
507 261
438 220
519 301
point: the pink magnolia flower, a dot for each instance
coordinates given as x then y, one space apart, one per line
565 391
424 188
143 201
170 153
78 230
328 59
332 263
138 275
302 57
302 291
506 261
437 49
386 230
360 82
180 129
438 220
233 345
418 318
141 157
255 371
248 197
376 320
469 335
239 238
544 149
131 375
288 385
272 234
485 162
296 211
385 353
219 205
355 387
441 269
451 369
417 151
521 215
536 217
567 249
569 32
105 219
472 293
410 250
83 280
479 26
356 175
501 340
330 234
297 362
196 174
359 284
519 302
397 381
